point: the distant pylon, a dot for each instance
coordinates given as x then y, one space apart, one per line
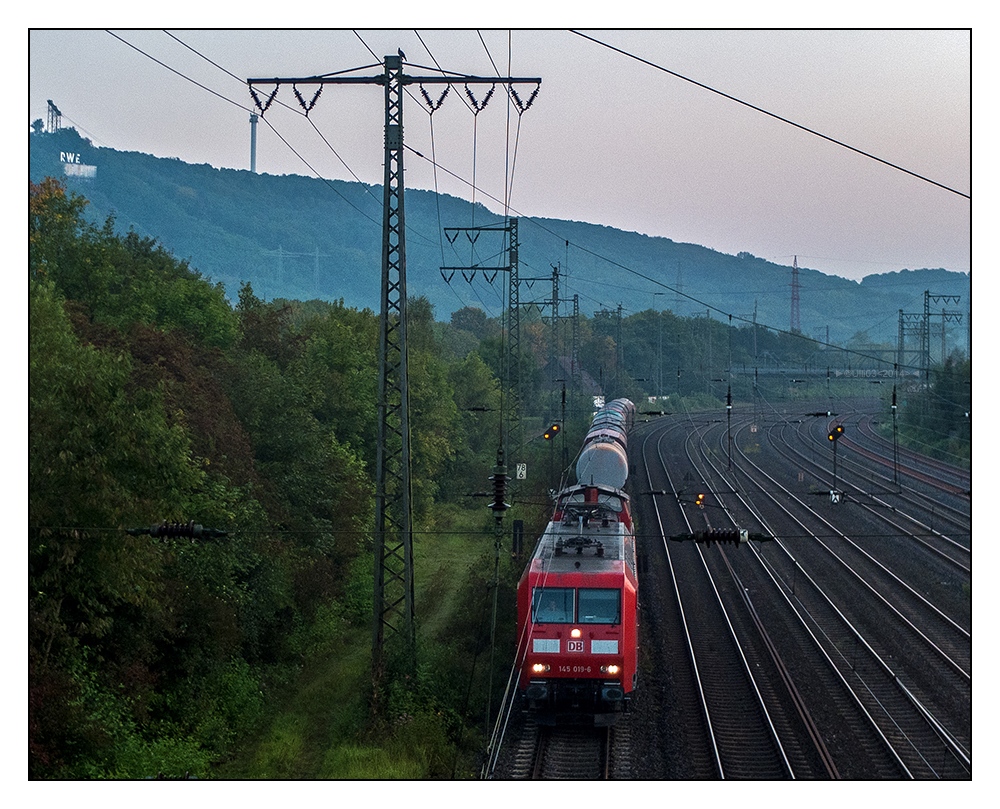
253 142
796 326
55 117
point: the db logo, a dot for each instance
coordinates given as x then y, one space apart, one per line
574 646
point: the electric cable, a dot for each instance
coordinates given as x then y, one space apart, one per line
533 221
772 115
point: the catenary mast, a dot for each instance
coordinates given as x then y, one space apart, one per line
393 596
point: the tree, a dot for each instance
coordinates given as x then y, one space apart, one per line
472 320
120 280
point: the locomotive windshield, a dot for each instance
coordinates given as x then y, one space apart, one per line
552 605
555 605
599 607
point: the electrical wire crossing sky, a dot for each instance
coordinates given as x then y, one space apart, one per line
848 150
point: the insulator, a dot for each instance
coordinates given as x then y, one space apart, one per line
476 106
722 536
256 100
431 104
499 479
188 530
522 107
175 529
302 102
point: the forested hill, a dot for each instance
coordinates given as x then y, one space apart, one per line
298 237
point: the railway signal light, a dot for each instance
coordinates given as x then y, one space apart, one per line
836 432
551 432
700 501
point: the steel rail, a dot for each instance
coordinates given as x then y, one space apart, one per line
950 740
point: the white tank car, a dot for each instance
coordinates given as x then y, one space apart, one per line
602 463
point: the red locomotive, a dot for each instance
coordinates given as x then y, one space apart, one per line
577 600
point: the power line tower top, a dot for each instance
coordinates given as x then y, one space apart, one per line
393 540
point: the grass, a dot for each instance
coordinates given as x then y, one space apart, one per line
440 561
319 729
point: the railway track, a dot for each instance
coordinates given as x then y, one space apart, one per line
933 510
842 649
861 608
829 679
937 474
568 752
739 717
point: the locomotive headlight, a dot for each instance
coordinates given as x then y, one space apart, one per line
575 633
610 669
540 668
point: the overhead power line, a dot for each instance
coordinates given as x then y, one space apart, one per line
249 109
772 115
524 217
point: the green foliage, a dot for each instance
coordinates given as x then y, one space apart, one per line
325 632
120 281
143 407
337 373
166 655
277 755
124 751
231 704
311 481
90 434
357 598
937 419
89 438
476 435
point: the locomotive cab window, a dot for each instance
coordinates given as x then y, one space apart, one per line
599 606
610 502
552 605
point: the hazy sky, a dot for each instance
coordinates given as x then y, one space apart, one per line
608 140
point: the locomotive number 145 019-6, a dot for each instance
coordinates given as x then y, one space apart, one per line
574 669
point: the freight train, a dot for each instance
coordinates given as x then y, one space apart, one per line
577 601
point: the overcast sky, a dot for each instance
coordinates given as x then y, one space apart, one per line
609 139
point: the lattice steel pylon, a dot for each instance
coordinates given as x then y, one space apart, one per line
393 534
54 117
909 323
925 336
394 602
796 324
511 358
